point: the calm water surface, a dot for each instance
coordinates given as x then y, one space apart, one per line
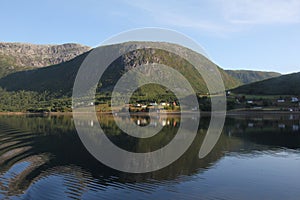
256 157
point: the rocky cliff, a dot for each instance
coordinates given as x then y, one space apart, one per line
32 55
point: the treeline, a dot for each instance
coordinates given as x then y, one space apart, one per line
30 101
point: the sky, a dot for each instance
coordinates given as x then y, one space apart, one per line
236 34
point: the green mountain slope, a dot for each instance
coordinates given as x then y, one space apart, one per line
283 85
8 65
59 78
56 78
249 76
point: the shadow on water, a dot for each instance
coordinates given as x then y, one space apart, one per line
43 155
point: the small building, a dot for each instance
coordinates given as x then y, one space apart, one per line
163 103
294 100
153 104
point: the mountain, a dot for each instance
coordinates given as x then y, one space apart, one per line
283 85
59 78
54 78
21 56
249 76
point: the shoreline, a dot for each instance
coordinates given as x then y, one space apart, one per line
228 113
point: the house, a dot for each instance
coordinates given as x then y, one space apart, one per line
294 100
153 104
163 103
280 101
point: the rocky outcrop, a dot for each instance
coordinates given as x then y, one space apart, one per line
32 55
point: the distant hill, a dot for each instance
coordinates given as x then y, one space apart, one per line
21 56
249 76
59 78
283 85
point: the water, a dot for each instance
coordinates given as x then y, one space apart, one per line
256 157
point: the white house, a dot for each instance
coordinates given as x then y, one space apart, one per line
153 104
294 99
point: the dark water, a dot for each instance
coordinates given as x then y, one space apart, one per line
255 158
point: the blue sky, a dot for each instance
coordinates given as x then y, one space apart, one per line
247 34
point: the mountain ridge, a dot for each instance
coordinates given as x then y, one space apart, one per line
49 88
16 56
70 55
52 78
283 85
250 76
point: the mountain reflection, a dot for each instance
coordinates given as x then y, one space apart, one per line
34 149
